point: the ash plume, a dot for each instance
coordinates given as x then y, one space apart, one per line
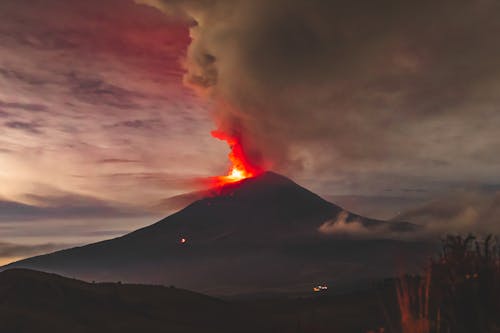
359 85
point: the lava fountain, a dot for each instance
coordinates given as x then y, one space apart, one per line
241 167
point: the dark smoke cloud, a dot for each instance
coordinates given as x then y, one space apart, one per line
354 84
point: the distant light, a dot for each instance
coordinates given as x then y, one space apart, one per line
183 240
320 288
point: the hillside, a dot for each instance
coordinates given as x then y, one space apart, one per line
32 301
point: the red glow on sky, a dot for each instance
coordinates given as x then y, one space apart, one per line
240 167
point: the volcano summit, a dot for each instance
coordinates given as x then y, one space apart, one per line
257 235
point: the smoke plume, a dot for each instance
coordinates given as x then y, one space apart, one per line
352 84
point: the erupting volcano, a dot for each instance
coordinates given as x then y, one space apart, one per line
241 167
252 235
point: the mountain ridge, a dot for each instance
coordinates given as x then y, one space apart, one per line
246 236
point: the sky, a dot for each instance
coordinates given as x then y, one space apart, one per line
390 109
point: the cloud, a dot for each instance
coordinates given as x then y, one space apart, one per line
23 106
63 206
348 225
20 76
465 211
29 127
341 227
353 85
21 250
117 160
380 206
96 91
146 124
468 210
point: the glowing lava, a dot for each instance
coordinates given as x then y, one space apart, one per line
240 168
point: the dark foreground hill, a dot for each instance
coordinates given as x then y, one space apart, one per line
260 234
32 301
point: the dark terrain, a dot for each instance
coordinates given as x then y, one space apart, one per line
459 292
257 235
32 301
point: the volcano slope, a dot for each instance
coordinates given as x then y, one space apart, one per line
258 235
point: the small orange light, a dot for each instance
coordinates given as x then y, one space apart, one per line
183 240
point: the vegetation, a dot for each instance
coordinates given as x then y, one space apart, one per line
460 292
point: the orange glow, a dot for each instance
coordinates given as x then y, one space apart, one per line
240 167
8 260
413 300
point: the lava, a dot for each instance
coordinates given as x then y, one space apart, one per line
241 167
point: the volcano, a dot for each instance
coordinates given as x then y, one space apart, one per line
261 234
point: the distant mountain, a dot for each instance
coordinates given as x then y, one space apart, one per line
260 234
